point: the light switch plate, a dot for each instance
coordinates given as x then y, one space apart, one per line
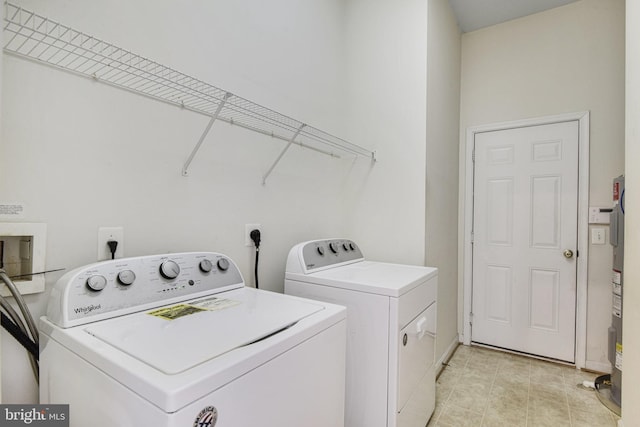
598 236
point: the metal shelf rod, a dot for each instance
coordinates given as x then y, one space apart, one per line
185 168
293 138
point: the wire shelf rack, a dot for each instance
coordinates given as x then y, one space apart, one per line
40 39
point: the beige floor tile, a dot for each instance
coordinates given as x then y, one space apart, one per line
547 391
543 408
546 364
459 358
580 398
547 378
482 387
474 375
474 398
454 416
538 420
488 351
464 349
513 375
482 362
586 419
507 395
449 376
517 363
443 392
505 417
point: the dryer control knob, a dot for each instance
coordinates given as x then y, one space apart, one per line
345 246
334 247
223 264
96 283
126 277
169 269
320 250
352 246
206 266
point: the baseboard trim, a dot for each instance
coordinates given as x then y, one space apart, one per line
605 368
447 354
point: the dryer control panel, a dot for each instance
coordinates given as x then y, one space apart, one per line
126 285
320 254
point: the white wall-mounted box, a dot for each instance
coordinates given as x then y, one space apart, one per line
22 252
599 215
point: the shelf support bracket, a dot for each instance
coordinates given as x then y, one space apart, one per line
293 138
223 101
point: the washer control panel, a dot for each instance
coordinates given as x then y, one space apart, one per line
324 253
121 286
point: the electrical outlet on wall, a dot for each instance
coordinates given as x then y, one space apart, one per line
247 231
105 234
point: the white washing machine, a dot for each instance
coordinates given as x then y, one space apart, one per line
391 329
177 340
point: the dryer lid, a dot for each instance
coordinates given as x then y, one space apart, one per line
175 338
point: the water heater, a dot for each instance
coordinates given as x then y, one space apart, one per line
615 331
609 386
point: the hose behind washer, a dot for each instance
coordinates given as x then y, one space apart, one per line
18 322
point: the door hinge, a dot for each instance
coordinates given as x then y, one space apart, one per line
472 238
470 318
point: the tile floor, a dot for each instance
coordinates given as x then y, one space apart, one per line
482 387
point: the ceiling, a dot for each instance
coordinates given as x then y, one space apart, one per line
476 14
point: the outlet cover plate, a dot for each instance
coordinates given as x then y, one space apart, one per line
248 228
110 233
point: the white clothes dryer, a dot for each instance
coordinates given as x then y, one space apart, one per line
177 340
391 329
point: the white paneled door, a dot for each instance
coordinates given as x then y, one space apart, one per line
525 239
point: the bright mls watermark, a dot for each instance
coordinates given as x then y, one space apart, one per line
34 415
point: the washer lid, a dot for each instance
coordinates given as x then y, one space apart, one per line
370 276
175 338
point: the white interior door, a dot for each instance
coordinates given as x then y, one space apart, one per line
524 224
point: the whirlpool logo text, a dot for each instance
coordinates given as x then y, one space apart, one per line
88 309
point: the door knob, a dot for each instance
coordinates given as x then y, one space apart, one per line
568 253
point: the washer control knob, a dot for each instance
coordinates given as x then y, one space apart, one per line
169 269
96 283
223 264
345 246
206 266
126 277
320 250
334 247
352 246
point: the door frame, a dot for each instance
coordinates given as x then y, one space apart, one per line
583 222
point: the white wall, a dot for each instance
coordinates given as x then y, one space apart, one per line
81 155
386 97
631 314
567 59
443 119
